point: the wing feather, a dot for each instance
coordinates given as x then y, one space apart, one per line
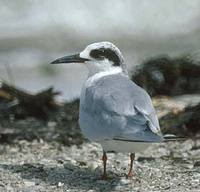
116 107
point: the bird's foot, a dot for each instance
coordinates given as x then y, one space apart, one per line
130 175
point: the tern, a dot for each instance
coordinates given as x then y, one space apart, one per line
114 111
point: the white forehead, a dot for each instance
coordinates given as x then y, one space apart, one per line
104 44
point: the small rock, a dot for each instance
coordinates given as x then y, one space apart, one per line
197 164
125 181
143 159
119 188
60 184
195 182
82 163
51 124
29 183
93 165
187 165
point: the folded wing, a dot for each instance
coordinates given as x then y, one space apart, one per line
116 108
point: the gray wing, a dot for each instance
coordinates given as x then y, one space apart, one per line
115 107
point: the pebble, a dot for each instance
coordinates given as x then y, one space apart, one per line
125 181
29 183
197 164
60 184
51 124
188 165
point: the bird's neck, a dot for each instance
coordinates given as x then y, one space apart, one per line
104 68
111 70
98 75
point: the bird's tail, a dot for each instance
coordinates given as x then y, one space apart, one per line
170 137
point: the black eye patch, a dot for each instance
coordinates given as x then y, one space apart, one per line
105 53
97 53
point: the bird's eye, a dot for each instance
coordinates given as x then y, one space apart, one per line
103 53
97 53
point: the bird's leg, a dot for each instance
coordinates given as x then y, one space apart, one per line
130 173
104 159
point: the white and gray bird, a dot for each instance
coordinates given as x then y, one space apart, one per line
114 111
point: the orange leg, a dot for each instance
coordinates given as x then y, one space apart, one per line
104 159
130 173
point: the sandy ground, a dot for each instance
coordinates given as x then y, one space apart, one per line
48 166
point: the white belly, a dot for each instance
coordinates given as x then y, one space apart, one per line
124 146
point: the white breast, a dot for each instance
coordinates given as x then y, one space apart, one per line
124 146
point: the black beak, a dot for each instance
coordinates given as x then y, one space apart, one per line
70 59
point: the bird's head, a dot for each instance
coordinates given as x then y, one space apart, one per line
101 56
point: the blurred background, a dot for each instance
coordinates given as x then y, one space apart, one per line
33 33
